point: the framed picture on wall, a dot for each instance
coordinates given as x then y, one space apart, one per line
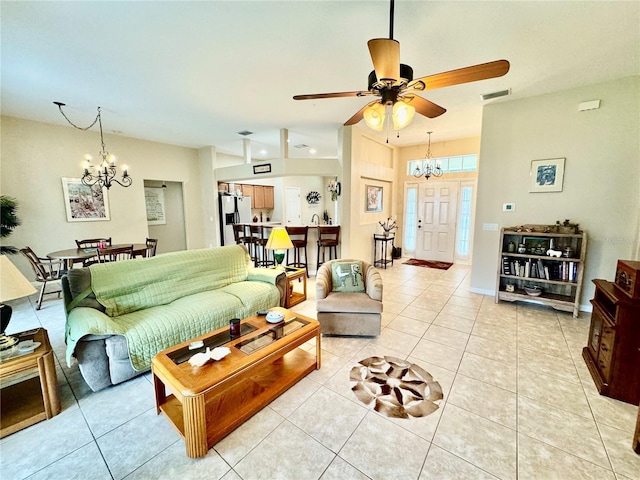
83 203
373 199
546 175
154 199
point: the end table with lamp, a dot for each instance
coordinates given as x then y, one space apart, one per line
280 242
28 382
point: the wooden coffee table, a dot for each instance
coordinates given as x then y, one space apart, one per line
209 402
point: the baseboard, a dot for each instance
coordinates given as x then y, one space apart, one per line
482 291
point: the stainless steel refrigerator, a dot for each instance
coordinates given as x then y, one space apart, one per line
232 209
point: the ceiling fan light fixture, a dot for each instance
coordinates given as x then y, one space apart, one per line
374 116
402 114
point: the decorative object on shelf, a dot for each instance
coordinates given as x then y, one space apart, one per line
325 216
313 197
511 247
334 188
566 227
522 248
388 226
509 288
373 200
12 285
84 203
428 167
279 242
533 291
546 175
104 174
554 253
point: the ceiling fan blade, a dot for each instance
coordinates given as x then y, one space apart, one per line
331 95
357 117
424 107
461 75
385 55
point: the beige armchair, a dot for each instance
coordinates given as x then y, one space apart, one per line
349 312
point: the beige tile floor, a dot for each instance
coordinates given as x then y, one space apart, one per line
518 403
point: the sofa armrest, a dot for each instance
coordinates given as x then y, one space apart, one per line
273 276
323 281
374 283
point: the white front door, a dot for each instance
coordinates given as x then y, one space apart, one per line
437 221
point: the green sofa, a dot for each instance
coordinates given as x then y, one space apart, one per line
120 314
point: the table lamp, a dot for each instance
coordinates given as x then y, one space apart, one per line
12 285
279 242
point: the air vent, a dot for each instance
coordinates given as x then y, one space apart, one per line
501 93
245 133
302 145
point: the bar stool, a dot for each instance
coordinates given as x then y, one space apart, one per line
298 236
240 234
259 240
328 236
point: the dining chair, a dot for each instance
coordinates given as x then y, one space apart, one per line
46 270
152 246
115 254
92 243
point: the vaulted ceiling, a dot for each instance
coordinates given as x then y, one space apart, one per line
196 73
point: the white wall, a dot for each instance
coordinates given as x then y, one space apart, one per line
601 179
36 155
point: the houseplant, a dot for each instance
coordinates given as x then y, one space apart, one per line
8 221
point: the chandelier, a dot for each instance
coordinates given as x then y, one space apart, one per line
104 174
428 168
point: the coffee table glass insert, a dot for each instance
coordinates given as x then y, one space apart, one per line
185 353
267 338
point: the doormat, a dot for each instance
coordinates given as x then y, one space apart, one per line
400 389
429 263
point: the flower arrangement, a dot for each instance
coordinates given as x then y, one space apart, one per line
388 225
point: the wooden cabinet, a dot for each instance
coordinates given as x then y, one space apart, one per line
223 187
268 197
525 266
612 353
247 191
257 201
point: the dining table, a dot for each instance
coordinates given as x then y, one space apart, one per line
71 255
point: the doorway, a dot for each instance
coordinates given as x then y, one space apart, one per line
293 208
436 225
169 228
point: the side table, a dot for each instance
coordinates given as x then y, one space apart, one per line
28 385
383 240
293 297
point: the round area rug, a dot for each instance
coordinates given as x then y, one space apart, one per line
399 388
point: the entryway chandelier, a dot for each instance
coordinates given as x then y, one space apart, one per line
103 175
428 167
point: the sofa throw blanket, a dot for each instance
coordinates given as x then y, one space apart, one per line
125 287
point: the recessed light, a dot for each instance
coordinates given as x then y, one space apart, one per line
263 152
312 151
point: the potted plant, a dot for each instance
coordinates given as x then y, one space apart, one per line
8 221
388 226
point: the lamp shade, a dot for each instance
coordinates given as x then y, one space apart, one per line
374 116
402 114
279 239
12 283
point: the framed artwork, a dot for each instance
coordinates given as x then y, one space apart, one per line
373 199
536 245
546 175
154 199
83 203
265 168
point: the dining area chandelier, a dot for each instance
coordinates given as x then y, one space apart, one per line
429 167
103 174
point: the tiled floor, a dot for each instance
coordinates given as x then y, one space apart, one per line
518 403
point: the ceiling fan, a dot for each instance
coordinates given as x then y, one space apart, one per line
393 82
